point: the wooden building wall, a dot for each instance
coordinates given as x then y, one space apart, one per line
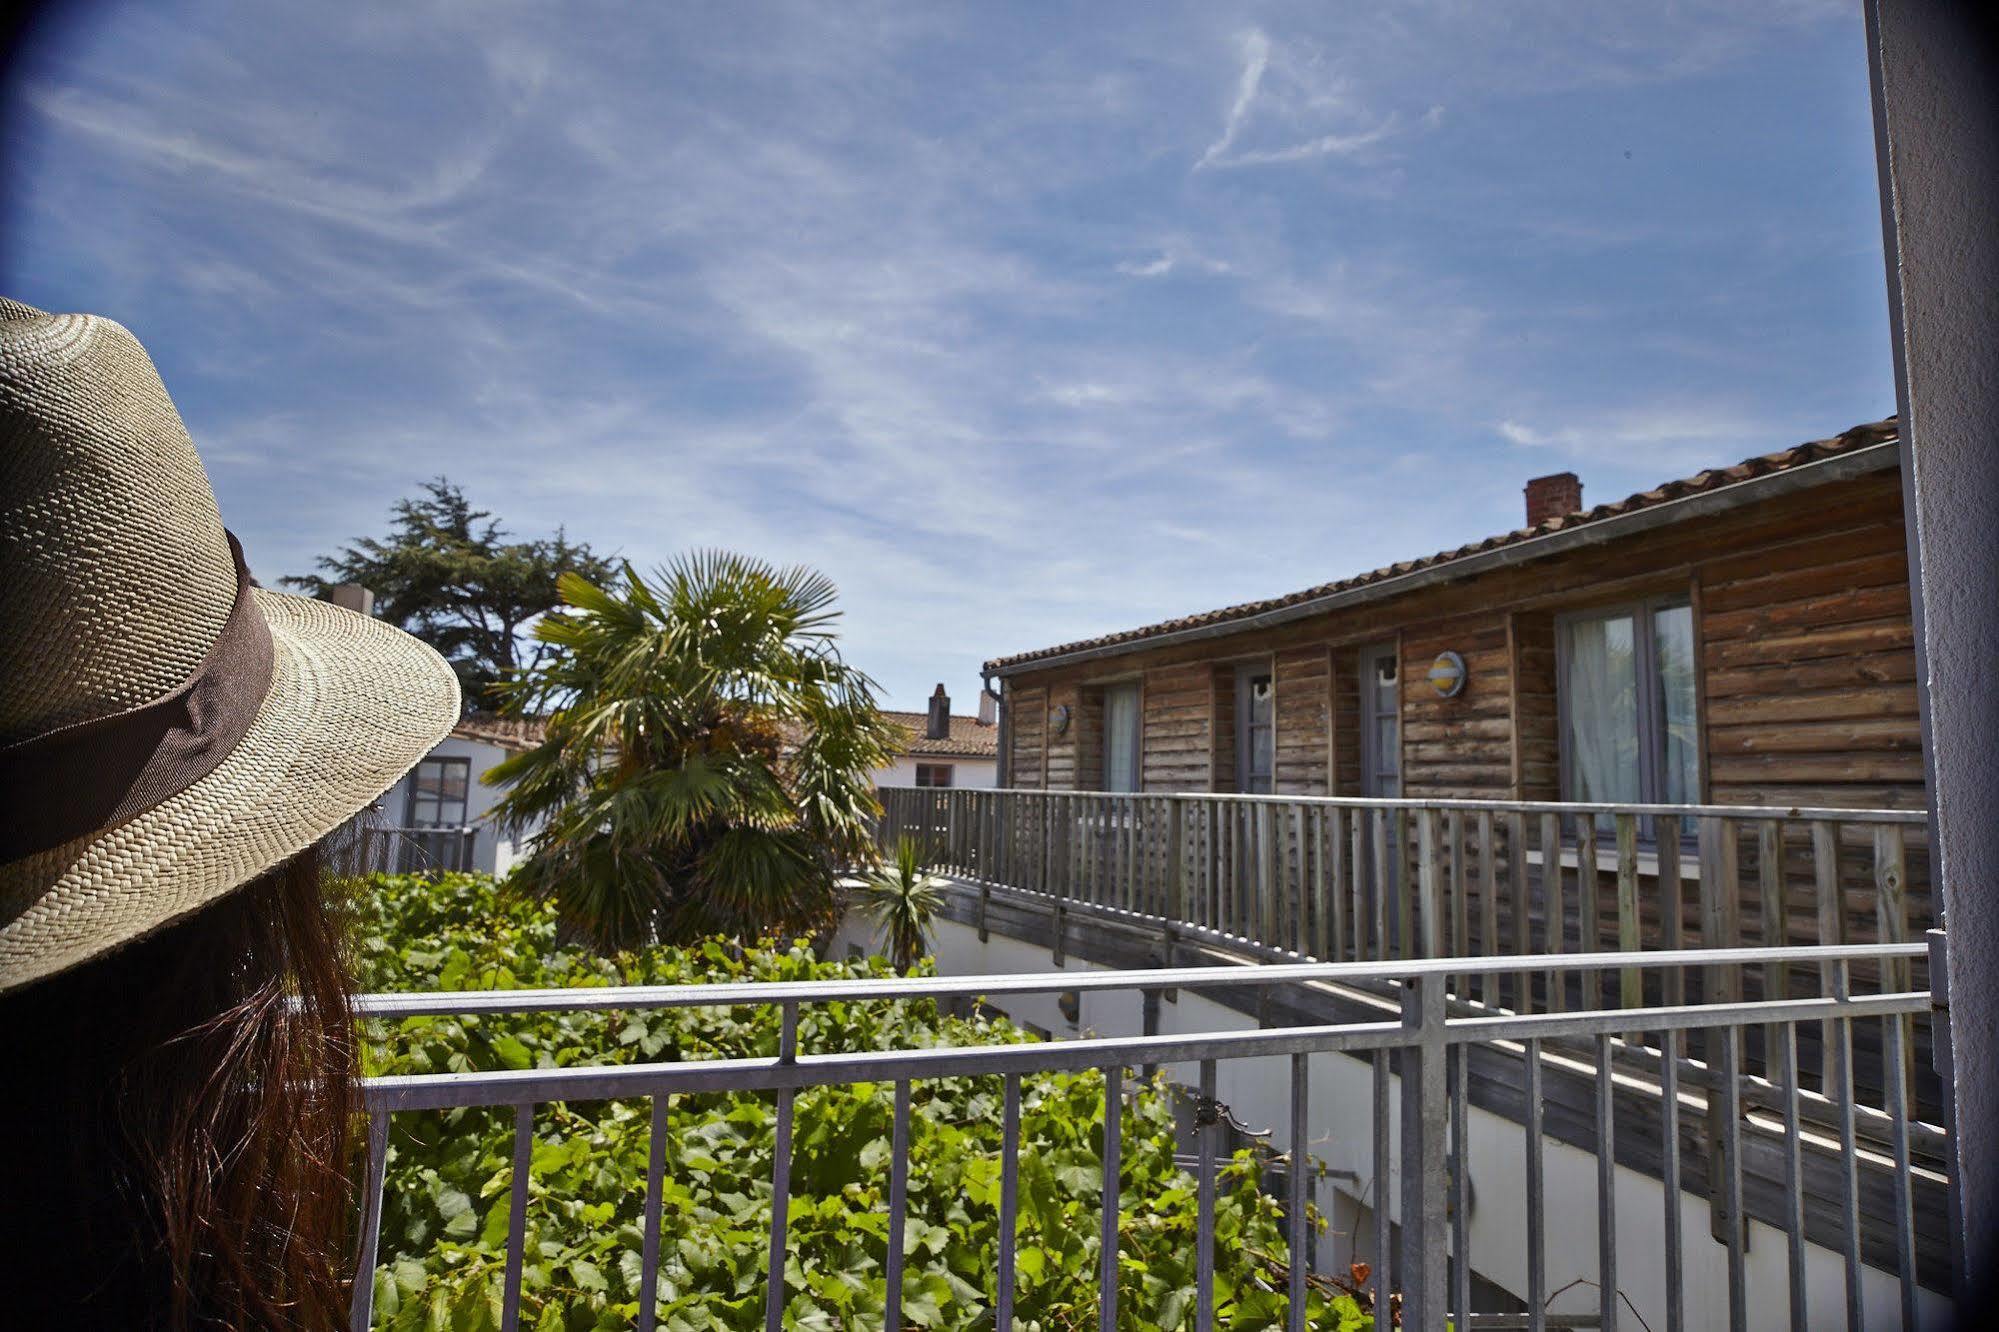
1303 714
1807 680
1463 746
1176 730
1809 664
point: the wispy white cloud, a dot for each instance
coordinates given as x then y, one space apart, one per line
916 295
1293 91
1255 63
1666 437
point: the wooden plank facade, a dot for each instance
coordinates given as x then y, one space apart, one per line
1805 671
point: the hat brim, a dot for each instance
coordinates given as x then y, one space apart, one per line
353 704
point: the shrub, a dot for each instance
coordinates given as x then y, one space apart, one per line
443 1239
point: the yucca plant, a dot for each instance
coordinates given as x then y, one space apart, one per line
709 757
902 898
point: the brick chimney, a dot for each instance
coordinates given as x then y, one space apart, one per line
1554 496
988 709
940 715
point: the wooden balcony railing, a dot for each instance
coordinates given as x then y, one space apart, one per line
1347 879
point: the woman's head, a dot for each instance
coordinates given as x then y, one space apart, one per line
174 741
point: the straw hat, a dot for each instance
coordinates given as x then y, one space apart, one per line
168 730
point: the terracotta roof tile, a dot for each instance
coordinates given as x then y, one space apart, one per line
969 738
489 728
1859 437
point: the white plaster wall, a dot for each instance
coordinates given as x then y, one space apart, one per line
973 774
492 852
1340 1095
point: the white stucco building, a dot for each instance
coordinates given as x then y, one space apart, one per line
440 815
946 750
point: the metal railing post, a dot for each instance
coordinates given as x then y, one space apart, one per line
1425 1171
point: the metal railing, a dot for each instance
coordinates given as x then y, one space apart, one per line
1422 1047
1353 879
361 848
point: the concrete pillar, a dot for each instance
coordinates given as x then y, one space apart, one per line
1934 68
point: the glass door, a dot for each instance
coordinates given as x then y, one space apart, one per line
1255 731
1380 723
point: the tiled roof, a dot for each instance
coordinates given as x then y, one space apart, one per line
489 728
1714 478
969 738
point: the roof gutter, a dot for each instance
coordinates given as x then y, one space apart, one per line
1860 462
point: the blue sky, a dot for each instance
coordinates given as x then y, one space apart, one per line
1023 322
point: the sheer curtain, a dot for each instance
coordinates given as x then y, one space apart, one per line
1600 686
1121 738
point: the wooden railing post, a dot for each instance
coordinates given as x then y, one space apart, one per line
1775 914
1460 890
1341 893
1405 902
1302 901
1523 914
986 805
1630 981
1378 903
1832 928
1589 906
1891 878
1721 890
1672 920
1175 870
1430 884
1488 905
1721 899
1266 873
1554 909
1058 868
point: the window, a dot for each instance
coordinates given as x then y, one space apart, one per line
1255 732
1381 722
933 774
1626 691
438 791
1121 756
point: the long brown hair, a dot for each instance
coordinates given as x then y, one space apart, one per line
176 1124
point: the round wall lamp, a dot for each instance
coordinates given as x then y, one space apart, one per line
1058 719
1447 674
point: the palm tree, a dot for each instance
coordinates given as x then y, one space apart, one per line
709 757
903 899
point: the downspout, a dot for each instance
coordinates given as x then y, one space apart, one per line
1005 766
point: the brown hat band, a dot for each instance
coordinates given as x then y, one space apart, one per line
93 775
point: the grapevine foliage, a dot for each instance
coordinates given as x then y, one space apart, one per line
450 1177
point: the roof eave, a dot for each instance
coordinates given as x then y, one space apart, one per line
1840 467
